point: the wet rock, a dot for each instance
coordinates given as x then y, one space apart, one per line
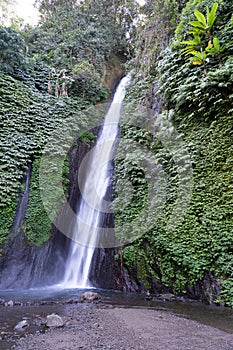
72 301
211 287
167 297
89 297
39 321
54 320
21 325
48 302
18 303
148 296
9 303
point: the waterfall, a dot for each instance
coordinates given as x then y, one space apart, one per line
23 203
92 206
12 264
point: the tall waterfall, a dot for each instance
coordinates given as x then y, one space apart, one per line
92 206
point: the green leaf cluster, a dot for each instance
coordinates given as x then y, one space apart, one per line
12 47
28 120
199 105
203 45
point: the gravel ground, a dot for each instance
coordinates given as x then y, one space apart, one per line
100 327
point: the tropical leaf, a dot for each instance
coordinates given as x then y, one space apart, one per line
197 54
216 43
200 17
195 61
197 24
197 31
211 16
190 42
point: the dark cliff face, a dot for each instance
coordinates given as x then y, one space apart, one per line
23 266
105 272
113 72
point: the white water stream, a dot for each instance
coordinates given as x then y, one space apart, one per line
92 206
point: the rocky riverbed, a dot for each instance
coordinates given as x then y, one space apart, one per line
105 327
109 321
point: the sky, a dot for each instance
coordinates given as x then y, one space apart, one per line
141 2
26 10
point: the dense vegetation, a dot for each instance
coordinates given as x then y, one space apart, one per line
175 216
194 92
51 75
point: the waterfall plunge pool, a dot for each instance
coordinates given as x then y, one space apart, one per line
53 299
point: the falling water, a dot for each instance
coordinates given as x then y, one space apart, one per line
92 207
22 204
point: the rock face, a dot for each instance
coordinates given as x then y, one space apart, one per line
206 290
24 266
54 320
104 271
89 297
113 71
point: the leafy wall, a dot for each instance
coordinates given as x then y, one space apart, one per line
51 77
28 121
197 101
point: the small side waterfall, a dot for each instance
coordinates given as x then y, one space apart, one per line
94 182
12 264
23 203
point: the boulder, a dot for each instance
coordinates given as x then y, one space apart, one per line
54 320
89 297
21 325
9 303
167 297
148 296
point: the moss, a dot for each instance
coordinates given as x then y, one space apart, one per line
6 220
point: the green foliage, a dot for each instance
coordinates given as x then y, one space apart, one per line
154 33
65 175
11 50
37 223
200 105
63 75
58 76
203 240
28 120
204 24
202 45
78 39
6 219
186 88
224 12
87 81
86 137
16 145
